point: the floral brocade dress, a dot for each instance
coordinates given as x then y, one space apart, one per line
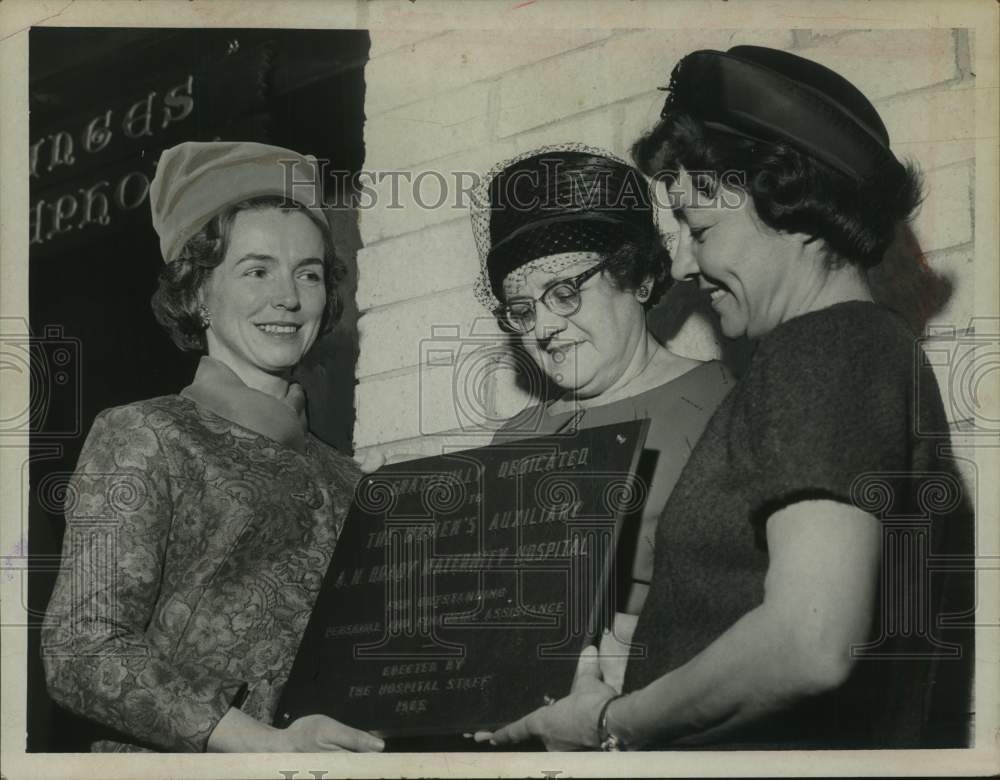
198 530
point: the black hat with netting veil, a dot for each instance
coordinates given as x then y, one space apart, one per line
773 96
555 200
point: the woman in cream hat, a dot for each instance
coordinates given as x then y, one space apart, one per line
221 509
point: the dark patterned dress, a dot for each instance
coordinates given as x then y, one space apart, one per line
199 527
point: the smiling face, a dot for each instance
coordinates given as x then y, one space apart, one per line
587 352
755 277
266 298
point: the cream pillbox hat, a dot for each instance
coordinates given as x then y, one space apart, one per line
195 181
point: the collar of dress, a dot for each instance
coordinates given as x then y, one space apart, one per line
217 388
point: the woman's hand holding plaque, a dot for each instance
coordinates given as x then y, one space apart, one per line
570 723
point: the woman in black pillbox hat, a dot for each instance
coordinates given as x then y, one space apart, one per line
791 603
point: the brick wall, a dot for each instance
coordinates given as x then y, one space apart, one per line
463 100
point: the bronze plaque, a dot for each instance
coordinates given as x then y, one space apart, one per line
464 586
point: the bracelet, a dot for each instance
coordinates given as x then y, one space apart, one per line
609 742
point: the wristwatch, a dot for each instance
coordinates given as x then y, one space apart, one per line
609 741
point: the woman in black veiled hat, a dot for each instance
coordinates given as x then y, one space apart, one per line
791 603
572 261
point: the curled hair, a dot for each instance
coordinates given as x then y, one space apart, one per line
792 192
637 259
175 302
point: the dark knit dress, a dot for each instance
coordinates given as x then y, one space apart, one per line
837 404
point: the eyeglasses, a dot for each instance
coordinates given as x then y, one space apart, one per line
562 297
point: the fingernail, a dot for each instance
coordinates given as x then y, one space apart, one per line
376 744
467 735
493 742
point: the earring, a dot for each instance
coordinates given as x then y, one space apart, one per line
205 316
643 293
